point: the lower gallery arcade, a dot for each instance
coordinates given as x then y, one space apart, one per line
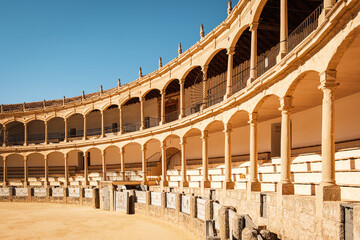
273 135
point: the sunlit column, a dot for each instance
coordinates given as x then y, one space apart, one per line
205 161
120 120
283 28
184 182
253 57
5 133
46 132
102 124
86 171
66 130
253 184
285 187
25 134
26 173
205 96
164 181
5 171
163 106
46 161
230 53
142 101
85 127
228 184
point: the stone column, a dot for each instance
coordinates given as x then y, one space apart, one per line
162 107
142 101
253 57
331 192
103 161
204 71
230 53
205 183
102 124
283 28
120 120
25 134
164 182
26 173
328 4
122 159
4 143
228 183
46 161
66 160
66 130
46 133
85 128
86 173
184 182
253 183
182 98
144 167
285 187
4 171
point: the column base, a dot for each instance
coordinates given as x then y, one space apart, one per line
184 184
164 183
228 185
328 193
250 80
253 186
280 56
205 184
285 188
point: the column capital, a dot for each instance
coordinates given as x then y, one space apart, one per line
143 148
228 128
328 80
253 118
230 51
122 150
46 158
204 68
205 135
163 144
254 26
286 104
103 153
182 81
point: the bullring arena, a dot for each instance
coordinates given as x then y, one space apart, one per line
253 132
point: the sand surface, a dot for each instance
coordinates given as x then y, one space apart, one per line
56 221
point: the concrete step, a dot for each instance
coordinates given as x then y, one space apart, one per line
194 184
174 184
195 178
217 185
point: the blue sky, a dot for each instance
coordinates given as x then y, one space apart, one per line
50 49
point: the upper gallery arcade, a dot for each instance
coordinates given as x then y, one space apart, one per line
275 79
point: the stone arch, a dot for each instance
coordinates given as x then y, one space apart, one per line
36 164
238 35
212 55
112 156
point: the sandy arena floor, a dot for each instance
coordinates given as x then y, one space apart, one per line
56 221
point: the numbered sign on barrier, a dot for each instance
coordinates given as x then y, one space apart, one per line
57 192
185 204
122 202
21 192
170 200
40 192
88 192
4 192
74 192
140 196
155 199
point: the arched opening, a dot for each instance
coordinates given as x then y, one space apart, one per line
94 160
56 164
15 168
131 115
75 125
36 132
302 20
193 91
113 162
36 168
193 150
152 105
56 130
133 162
15 133
216 78
241 62
112 120
93 123
153 161
216 152
75 162
172 101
